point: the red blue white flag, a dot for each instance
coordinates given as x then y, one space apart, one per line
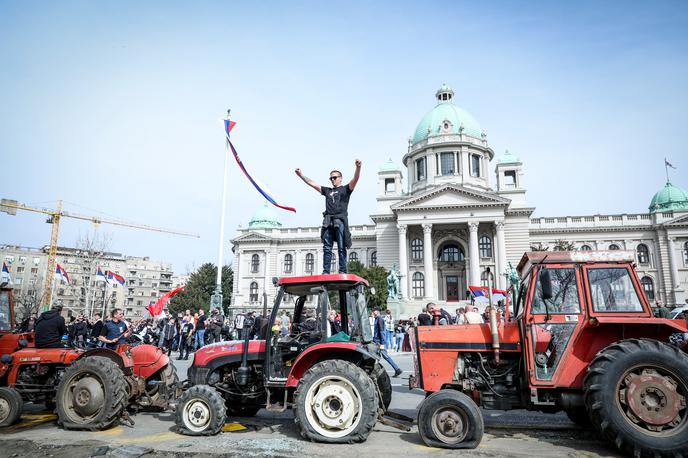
6 273
261 188
480 294
62 273
100 276
114 278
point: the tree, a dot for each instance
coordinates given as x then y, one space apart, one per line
28 302
539 247
200 287
90 249
377 278
563 245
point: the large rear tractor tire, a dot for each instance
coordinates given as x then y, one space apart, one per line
636 392
336 402
384 383
200 411
10 406
91 395
579 416
450 419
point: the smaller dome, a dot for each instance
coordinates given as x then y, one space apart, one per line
669 198
389 166
509 158
264 218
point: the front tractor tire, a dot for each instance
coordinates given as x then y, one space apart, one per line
636 392
10 406
92 394
336 402
200 411
450 419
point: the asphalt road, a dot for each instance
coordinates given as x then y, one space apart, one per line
508 434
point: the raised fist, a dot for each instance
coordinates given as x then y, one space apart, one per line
358 162
298 172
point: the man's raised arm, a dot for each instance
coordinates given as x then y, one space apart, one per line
308 181
357 174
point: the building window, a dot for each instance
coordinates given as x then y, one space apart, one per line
509 179
585 248
253 292
648 288
373 258
643 254
36 261
685 253
417 249
486 276
485 246
452 253
22 259
353 257
310 262
288 263
418 285
613 247
447 164
420 169
255 263
20 270
475 165
390 185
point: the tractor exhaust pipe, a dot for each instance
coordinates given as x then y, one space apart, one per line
243 371
494 330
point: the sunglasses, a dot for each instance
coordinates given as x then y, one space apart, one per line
333 178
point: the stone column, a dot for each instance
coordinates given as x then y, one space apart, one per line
500 255
403 260
427 261
675 290
474 260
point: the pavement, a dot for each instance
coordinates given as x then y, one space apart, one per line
515 433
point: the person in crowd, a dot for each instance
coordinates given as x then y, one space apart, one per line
28 324
186 337
379 335
70 331
214 326
199 330
49 328
424 318
399 333
460 317
389 330
286 320
80 332
169 332
114 331
308 322
335 323
439 315
473 316
96 327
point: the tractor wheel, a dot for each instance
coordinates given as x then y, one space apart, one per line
167 375
450 419
384 383
579 416
636 392
200 411
336 402
91 395
242 411
10 406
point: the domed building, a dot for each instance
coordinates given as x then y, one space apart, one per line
456 222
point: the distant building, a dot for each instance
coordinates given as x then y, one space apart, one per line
452 223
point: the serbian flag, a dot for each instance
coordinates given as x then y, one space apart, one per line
62 273
113 277
480 294
156 309
261 188
6 273
100 276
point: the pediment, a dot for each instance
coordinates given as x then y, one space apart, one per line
451 196
680 221
252 237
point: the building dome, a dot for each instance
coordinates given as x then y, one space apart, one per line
389 166
264 218
669 198
446 118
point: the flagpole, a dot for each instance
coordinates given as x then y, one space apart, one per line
666 168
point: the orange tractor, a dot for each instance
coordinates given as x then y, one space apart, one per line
581 339
90 389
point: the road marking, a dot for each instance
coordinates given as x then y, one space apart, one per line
116 431
159 437
30 420
231 427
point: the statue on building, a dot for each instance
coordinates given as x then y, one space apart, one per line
393 284
514 281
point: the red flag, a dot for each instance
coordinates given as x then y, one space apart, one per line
156 309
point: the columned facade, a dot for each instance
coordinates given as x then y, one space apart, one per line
473 257
403 261
428 261
502 266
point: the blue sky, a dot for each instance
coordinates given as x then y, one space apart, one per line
115 107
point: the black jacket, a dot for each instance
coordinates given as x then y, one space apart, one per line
95 330
50 327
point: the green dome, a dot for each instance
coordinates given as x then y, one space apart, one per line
264 218
445 110
669 198
509 158
389 166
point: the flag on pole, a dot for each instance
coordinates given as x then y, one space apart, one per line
100 276
261 188
6 273
480 294
114 278
156 309
668 164
61 273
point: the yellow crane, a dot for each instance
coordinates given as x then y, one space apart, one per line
11 206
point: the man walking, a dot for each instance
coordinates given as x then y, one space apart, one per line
379 335
335 224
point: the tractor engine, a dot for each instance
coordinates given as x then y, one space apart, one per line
497 386
225 380
36 381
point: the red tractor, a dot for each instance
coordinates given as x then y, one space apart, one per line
90 389
331 379
582 338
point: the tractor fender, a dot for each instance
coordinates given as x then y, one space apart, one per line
109 354
148 359
349 351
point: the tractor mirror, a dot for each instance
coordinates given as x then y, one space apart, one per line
546 284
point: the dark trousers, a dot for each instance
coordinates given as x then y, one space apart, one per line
334 233
183 348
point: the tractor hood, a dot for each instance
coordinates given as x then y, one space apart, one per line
230 348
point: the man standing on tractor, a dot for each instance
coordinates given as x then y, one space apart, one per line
335 224
379 336
114 331
50 327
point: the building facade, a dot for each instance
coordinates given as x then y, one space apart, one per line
456 224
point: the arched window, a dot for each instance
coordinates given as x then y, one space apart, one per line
418 285
253 292
585 248
373 258
452 253
255 263
353 257
648 288
685 253
485 276
288 263
643 254
310 262
417 249
485 246
614 247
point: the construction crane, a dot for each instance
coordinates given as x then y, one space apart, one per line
54 216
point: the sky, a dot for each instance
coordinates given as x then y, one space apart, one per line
116 107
